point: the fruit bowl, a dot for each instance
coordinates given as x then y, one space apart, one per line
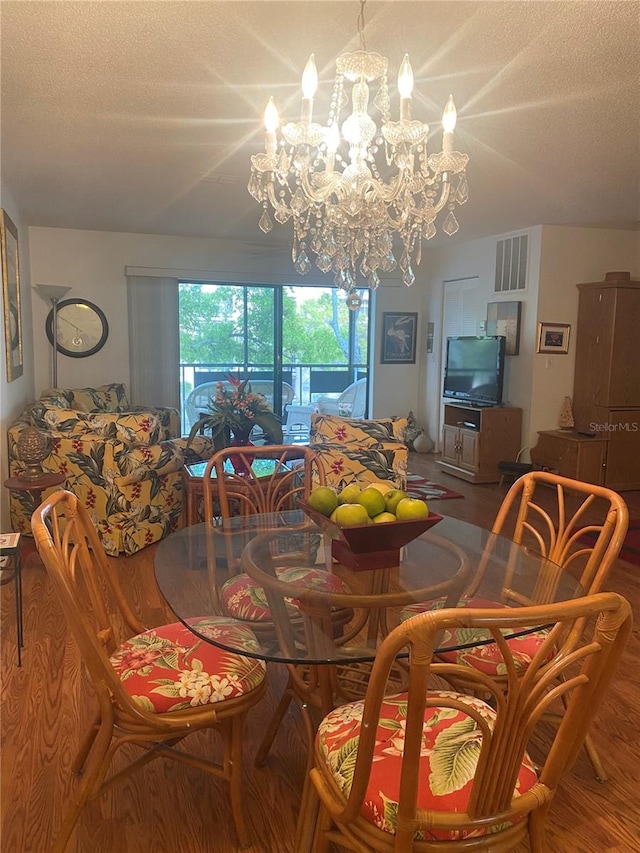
370 546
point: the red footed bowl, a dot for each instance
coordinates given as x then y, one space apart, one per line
370 546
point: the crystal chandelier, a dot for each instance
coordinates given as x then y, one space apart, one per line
346 209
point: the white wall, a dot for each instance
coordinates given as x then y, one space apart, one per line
93 264
571 256
477 258
559 258
15 395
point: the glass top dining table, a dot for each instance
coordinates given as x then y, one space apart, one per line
316 619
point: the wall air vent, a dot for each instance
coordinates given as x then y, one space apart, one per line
511 264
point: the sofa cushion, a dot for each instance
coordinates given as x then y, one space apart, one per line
360 464
128 427
104 398
331 429
59 420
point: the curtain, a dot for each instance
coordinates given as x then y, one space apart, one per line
154 342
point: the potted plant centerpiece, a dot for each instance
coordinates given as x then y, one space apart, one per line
233 413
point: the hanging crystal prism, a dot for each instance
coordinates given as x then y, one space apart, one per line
353 300
462 192
408 277
302 264
450 224
265 222
323 262
373 280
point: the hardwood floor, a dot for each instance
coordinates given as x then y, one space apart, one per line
168 808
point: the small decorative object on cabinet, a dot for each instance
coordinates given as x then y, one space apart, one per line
565 418
474 440
606 391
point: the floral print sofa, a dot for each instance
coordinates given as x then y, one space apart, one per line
122 461
362 451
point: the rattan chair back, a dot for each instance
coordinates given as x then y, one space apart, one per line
484 752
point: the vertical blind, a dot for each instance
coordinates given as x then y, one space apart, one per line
154 341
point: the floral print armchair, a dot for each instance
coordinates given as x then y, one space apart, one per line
123 462
362 451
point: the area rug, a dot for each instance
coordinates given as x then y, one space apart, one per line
631 547
420 487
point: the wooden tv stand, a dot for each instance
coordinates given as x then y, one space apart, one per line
475 439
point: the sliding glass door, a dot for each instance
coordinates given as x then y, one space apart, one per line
302 336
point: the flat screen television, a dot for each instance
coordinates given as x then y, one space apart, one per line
474 369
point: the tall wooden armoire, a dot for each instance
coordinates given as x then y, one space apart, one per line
606 391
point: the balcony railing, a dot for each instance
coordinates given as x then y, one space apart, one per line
309 381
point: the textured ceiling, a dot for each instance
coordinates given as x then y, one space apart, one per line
142 116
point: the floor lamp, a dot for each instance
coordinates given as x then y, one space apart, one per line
53 293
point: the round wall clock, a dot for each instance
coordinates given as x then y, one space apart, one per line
82 328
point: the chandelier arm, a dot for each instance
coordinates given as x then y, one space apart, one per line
319 195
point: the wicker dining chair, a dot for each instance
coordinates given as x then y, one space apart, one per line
435 769
578 526
155 686
254 496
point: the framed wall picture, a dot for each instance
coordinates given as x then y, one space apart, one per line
553 338
503 318
399 337
11 297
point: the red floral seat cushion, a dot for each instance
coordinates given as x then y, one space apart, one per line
450 752
169 668
245 599
488 657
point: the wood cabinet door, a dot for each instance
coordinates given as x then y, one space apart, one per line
450 441
624 370
468 449
596 313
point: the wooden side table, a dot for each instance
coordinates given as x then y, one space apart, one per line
193 486
35 487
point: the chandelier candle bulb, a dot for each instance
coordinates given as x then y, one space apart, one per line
405 88
449 119
271 122
309 88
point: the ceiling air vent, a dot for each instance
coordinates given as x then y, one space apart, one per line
511 264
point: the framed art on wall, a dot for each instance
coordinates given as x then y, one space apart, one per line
11 296
503 318
553 338
399 337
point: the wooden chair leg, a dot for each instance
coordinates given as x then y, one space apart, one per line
594 758
274 725
92 776
308 817
235 778
85 747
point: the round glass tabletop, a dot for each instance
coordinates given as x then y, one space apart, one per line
304 606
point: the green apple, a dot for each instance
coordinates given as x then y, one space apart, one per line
351 515
384 518
381 486
323 499
372 501
349 494
410 508
393 498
